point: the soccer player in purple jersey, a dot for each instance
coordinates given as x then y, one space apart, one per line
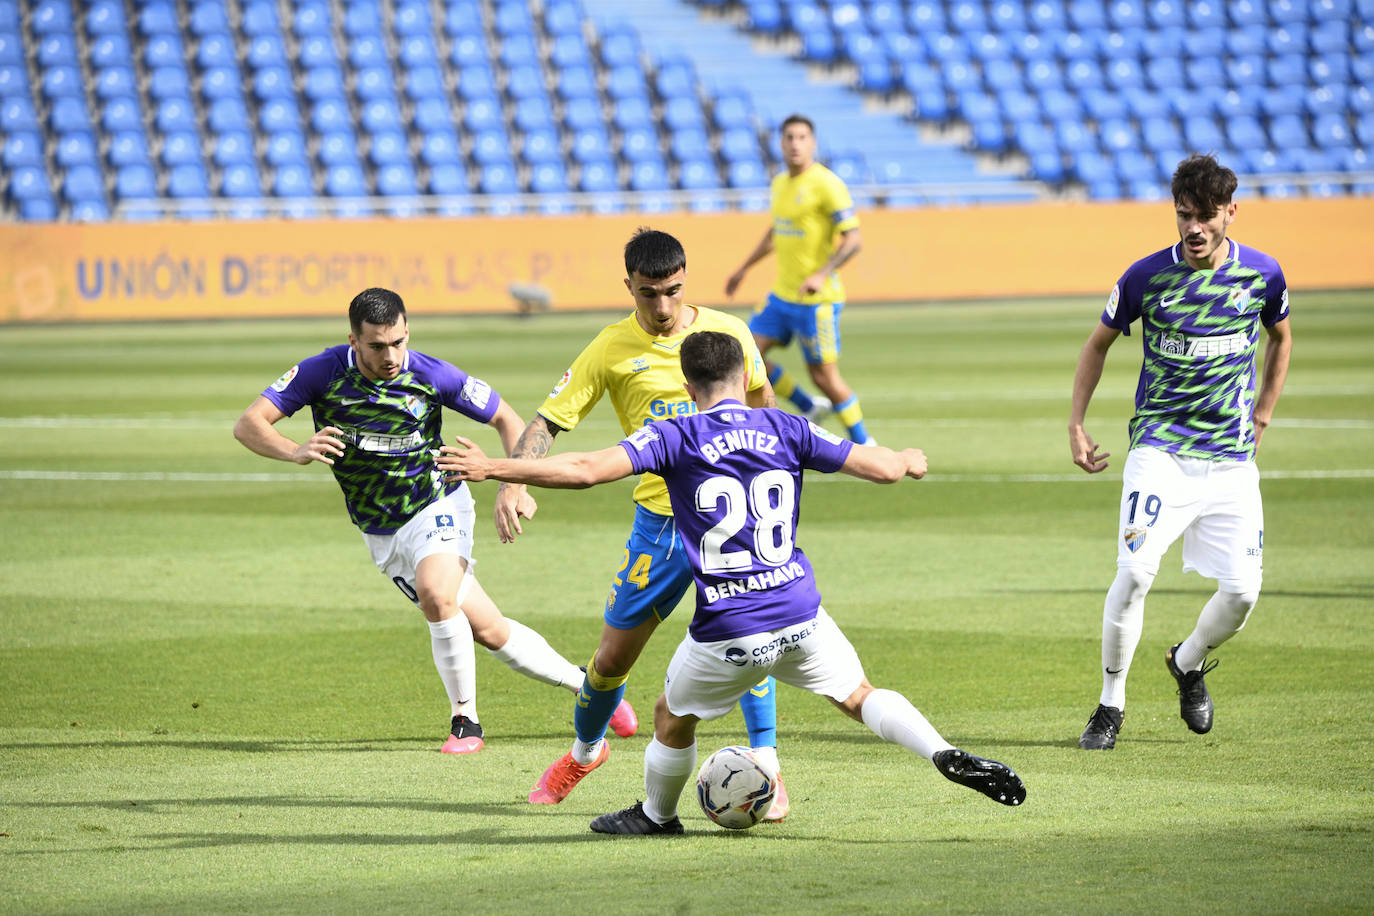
1191 470
735 474
377 407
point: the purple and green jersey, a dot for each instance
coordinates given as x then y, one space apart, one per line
734 476
1200 330
392 429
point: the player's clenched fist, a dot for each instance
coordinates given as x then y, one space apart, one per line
915 462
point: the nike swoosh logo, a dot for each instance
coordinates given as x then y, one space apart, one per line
1165 303
1117 671
349 402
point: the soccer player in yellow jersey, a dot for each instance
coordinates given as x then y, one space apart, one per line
635 362
811 207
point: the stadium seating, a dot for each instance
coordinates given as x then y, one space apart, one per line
106 102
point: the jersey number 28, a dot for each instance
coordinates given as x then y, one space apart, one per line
769 501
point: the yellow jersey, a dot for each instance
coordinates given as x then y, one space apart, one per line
809 212
644 379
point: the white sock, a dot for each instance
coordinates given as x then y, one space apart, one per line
1123 617
768 756
585 753
892 718
666 771
531 655
456 662
1222 617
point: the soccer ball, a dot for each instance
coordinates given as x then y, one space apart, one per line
734 788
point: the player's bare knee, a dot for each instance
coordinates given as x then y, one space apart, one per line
673 730
853 704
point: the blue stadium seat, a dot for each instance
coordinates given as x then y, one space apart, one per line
1075 138
577 83
476 82
513 19
649 175
1202 133
689 144
1284 100
368 51
90 210
561 18
279 115
432 114
293 180
207 18
540 146
548 178
216 51
426 82
569 50
448 178
62 82
519 49
380 114
57 50
188 181
1330 37
158 18
330 114
164 51
362 19
116 115
1331 132
51 16
534 114
640 144
69 114
1287 70
375 82
397 180
599 175
338 147
232 148
698 175
116 82
1160 134
482 114
323 82
468 51
1118 136
411 18
591 144
683 113
1245 133
1288 132
311 18
388 147
1146 103
1332 99
498 178
491 146
317 51
345 181
582 113
259 17
17 115
617 48
241 180
105 17
266 50
525 81
23 149
83 182
180 148
739 143
273 83
135 182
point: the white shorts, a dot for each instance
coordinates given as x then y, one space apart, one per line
1215 505
707 679
444 526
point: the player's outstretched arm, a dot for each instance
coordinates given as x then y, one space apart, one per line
880 464
508 426
534 442
1087 374
256 429
1277 351
569 471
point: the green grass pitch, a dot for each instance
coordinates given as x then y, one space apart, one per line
210 701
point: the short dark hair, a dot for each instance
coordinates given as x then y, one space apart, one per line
375 306
798 119
710 358
1204 182
653 254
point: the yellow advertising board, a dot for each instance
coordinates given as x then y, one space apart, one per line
106 272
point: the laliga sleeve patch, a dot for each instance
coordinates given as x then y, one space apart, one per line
476 392
286 379
825 434
1113 300
562 383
